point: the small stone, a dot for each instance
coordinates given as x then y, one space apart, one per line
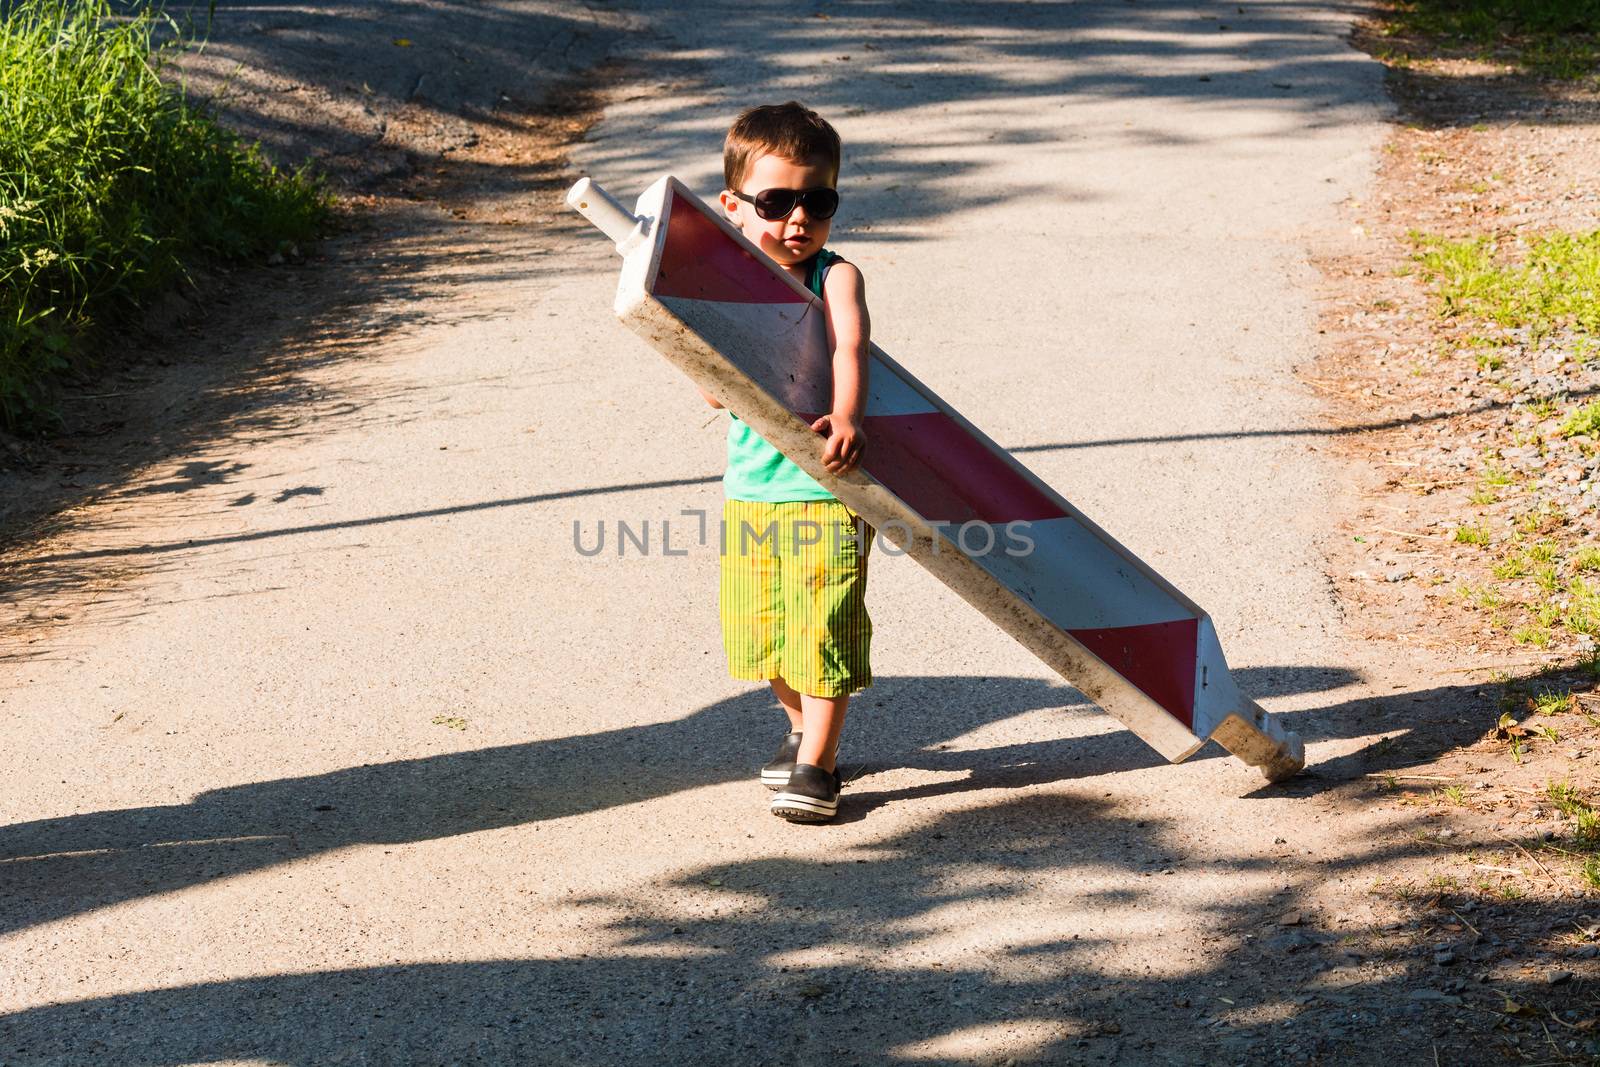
1293 918
1292 941
1444 957
1558 977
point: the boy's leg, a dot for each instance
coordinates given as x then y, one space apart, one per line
827 629
790 700
775 775
822 719
812 792
825 649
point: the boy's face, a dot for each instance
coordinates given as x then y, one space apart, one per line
790 240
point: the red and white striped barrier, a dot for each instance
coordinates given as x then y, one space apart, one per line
747 333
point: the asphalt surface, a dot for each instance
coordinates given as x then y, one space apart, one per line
345 754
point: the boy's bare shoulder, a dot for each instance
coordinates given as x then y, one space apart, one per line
843 280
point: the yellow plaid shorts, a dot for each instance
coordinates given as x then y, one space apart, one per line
792 594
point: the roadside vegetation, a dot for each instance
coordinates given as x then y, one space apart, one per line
1526 319
113 185
1465 336
1547 38
1507 312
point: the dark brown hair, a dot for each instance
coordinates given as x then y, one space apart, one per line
789 131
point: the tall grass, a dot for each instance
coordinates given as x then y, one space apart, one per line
111 183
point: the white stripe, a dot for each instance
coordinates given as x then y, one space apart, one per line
793 340
795 800
1071 577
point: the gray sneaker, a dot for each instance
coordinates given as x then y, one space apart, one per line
812 795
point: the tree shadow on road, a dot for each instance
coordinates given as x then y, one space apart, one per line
1037 928
1016 927
57 867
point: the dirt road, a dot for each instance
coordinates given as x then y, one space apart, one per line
339 751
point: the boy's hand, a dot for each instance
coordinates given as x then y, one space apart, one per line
845 442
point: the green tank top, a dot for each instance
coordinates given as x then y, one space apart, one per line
756 470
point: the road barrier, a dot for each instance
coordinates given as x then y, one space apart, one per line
750 335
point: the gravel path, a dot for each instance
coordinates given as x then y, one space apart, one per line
340 752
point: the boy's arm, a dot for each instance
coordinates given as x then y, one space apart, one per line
844 296
710 399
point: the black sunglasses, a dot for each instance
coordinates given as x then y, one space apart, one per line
774 204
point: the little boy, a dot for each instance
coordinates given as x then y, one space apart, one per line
792 606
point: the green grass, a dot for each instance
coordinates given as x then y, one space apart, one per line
1586 559
1480 596
1554 38
1550 702
1584 420
1546 407
1582 614
1532 634
1564 797
1495 475
1514 565
1471 534
1553 286
111 186
1547 578
1571 803
1530 522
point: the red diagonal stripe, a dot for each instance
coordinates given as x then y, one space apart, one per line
946 474
700 262
1158 658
